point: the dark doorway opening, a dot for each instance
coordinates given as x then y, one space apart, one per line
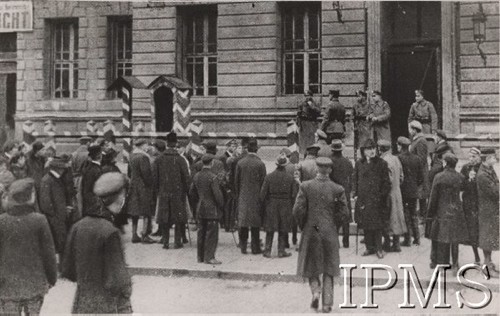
7 106
164 115
411 53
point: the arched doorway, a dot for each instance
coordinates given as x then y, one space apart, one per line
164 115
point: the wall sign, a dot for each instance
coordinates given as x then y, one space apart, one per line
16 16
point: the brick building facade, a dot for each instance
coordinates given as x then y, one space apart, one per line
249 62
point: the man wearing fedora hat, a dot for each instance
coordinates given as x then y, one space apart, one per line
319 209
342 174
94 257
28 265
53 202
488 188
277 195
334 119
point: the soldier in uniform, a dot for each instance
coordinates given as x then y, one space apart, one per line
319 209
342 174
379 117
487 188
277 195
307 121
206 197
94 257
360 113
424 112
413 177
334 120
419 147
249 176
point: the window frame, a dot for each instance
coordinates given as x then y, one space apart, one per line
114 61
59 62
207 58
305 53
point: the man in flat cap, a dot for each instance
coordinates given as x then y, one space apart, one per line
470 199
171 178
319 209
396 224
334 120
448 226
28 265
307 120
249 176
413 177
141 191
206 196
371 187
78 160
94 257
277 194
419 147
324 149
54 202
487 188
342 171
91 171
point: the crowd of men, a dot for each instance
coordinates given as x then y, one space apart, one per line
78 204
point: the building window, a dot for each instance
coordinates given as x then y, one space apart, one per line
9 42
120 44
301 40
200 49
64 59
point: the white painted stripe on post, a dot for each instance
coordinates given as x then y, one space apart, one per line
460 136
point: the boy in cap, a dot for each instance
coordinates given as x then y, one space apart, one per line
28 265
278 194
342 174
413 177
207 198
94 257
488 189
53 202
319 209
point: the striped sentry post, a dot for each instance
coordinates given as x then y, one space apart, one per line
28 137
153 114
292 138
126 120
49 129
196 129
182 111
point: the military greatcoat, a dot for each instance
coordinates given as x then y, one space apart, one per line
141 185
319 209
425 113
397 222
382 112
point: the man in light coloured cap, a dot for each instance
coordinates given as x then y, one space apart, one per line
28 265
324 149
488 189
470 199
419 147
396 224
319 209
413 177
206 197
94 257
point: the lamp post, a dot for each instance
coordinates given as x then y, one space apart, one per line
479 30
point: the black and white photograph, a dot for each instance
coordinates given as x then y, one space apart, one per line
249 157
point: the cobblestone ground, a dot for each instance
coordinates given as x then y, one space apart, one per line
162 295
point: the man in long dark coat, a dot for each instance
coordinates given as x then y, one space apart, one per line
319 209
470 199
171 179
371 186
28 265
334 119
419 147
208 200
140 191
94 257
413 177
488 189
90 173
35 163
277 195
342 171
448 226
79 158
54 202
250 174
